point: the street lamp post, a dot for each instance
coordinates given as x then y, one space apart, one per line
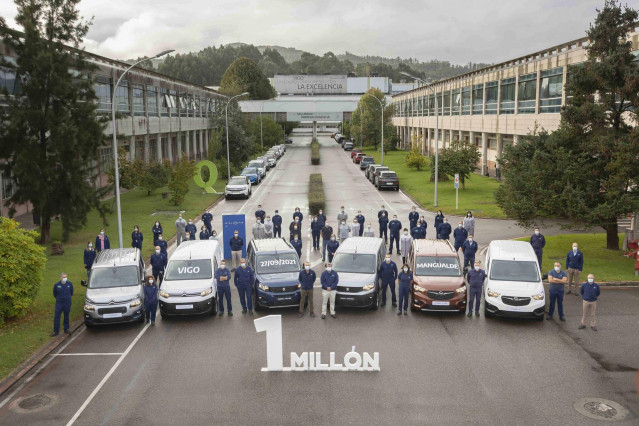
382 107
115 143
429 87
261 135
228 156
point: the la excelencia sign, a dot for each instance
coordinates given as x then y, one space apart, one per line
308 361
310 84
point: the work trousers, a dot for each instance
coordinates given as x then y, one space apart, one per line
316 241
458 246
150 310
180 236
573 280
324 244
236 256
590 308
556 296
328 295
404 294
469 261
383 231
385 284
224 291
539 254
303 294
246 296
277 231
474 297
61 308
394 238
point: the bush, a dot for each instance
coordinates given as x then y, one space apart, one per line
21 264
316 198
153 176
315 155
415 159
179 182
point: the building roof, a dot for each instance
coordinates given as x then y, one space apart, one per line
362 245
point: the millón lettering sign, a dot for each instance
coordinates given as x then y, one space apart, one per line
310 84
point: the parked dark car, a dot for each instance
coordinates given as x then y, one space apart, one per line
388 180
348 146
365 161
375 173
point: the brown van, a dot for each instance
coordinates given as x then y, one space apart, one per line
438 278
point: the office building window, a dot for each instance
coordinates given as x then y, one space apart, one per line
423 106
527 94
431 105
492 90
103 92
465 100
184 108
106 159
153 150
507 95
446 102
173 103
152 101
8 186
138 100
456 102
550 90
478 99
122 96
198 107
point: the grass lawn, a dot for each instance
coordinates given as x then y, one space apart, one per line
20 338
478 195
606 265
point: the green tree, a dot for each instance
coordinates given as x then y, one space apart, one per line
243 75
51 130
415 159
183 171
289 126
366 120
21 264
129 171
272 133
240 144
153 176
587 170
460 158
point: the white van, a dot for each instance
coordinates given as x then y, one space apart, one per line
513 287
189 286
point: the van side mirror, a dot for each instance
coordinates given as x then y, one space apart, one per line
83 283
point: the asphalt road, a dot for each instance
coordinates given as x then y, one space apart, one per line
434 369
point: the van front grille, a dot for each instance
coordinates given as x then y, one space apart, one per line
515 301
440 295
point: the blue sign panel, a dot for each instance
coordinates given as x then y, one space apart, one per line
230 223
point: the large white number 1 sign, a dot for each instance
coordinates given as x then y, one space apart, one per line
272 324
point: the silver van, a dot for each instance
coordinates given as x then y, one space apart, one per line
357 262
189 286
114 290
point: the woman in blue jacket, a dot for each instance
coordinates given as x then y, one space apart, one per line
136 238
157 230
405 279
89 257
150 300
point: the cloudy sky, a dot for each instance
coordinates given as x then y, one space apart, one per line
455 30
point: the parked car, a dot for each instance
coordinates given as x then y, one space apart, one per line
238 186
513 287
348 146
288 140
114 290
388 180
189 286
370 173
365 161
358 157
369 169
260 165
377 172
276 266
252 174
438 278
355 151
332 135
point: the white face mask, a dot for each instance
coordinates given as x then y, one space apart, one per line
295 238
157 252
190 222
160 238
470 240
394 217
405 269
135 229
459 226
215 234
64 280
258 222
101 232
536 232
268 219
329 269
574 249
222 266
591 280
557 268
332 238
343 223
243 265
307 267
157 224
150 281
236 235
469 215
387 259
405 232
90 245
445 221
321 212
476 267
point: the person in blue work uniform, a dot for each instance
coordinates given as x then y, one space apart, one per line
306 278
382 210
469 249
557 279
297 245
321 218
331 247
136 238
277 225
89 257
204 233
388 274
102 242
62 292
223 278
191 231
416 232
244 280
439 219
460 235
445 230
423 224
236 243
360 219
383 227
150 300
157 231
574 266
163 246
327 233
590 292
404 281
413 217
259 213
158 263
316 230
538 242
329 281
475 279
299 216
207 217
395 228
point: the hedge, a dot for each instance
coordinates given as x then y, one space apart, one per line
315 155
316 198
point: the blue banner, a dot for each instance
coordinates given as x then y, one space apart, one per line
230 223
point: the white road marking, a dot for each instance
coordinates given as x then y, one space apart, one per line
39 370
89 354
108 375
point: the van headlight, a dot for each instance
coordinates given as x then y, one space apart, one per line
262 287
418 288
369 287
491 293
539 296
89 308
135 303
164 294
461 290
206 292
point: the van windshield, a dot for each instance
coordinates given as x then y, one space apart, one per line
433 266
514 270
277 263
354 263
198 269
120 276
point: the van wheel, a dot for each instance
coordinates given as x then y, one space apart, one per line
488 314
412 306
375 305
214 307
163 315
88 325
256 306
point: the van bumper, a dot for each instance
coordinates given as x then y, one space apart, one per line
268 299
131 315
356 300
186 308
534 312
